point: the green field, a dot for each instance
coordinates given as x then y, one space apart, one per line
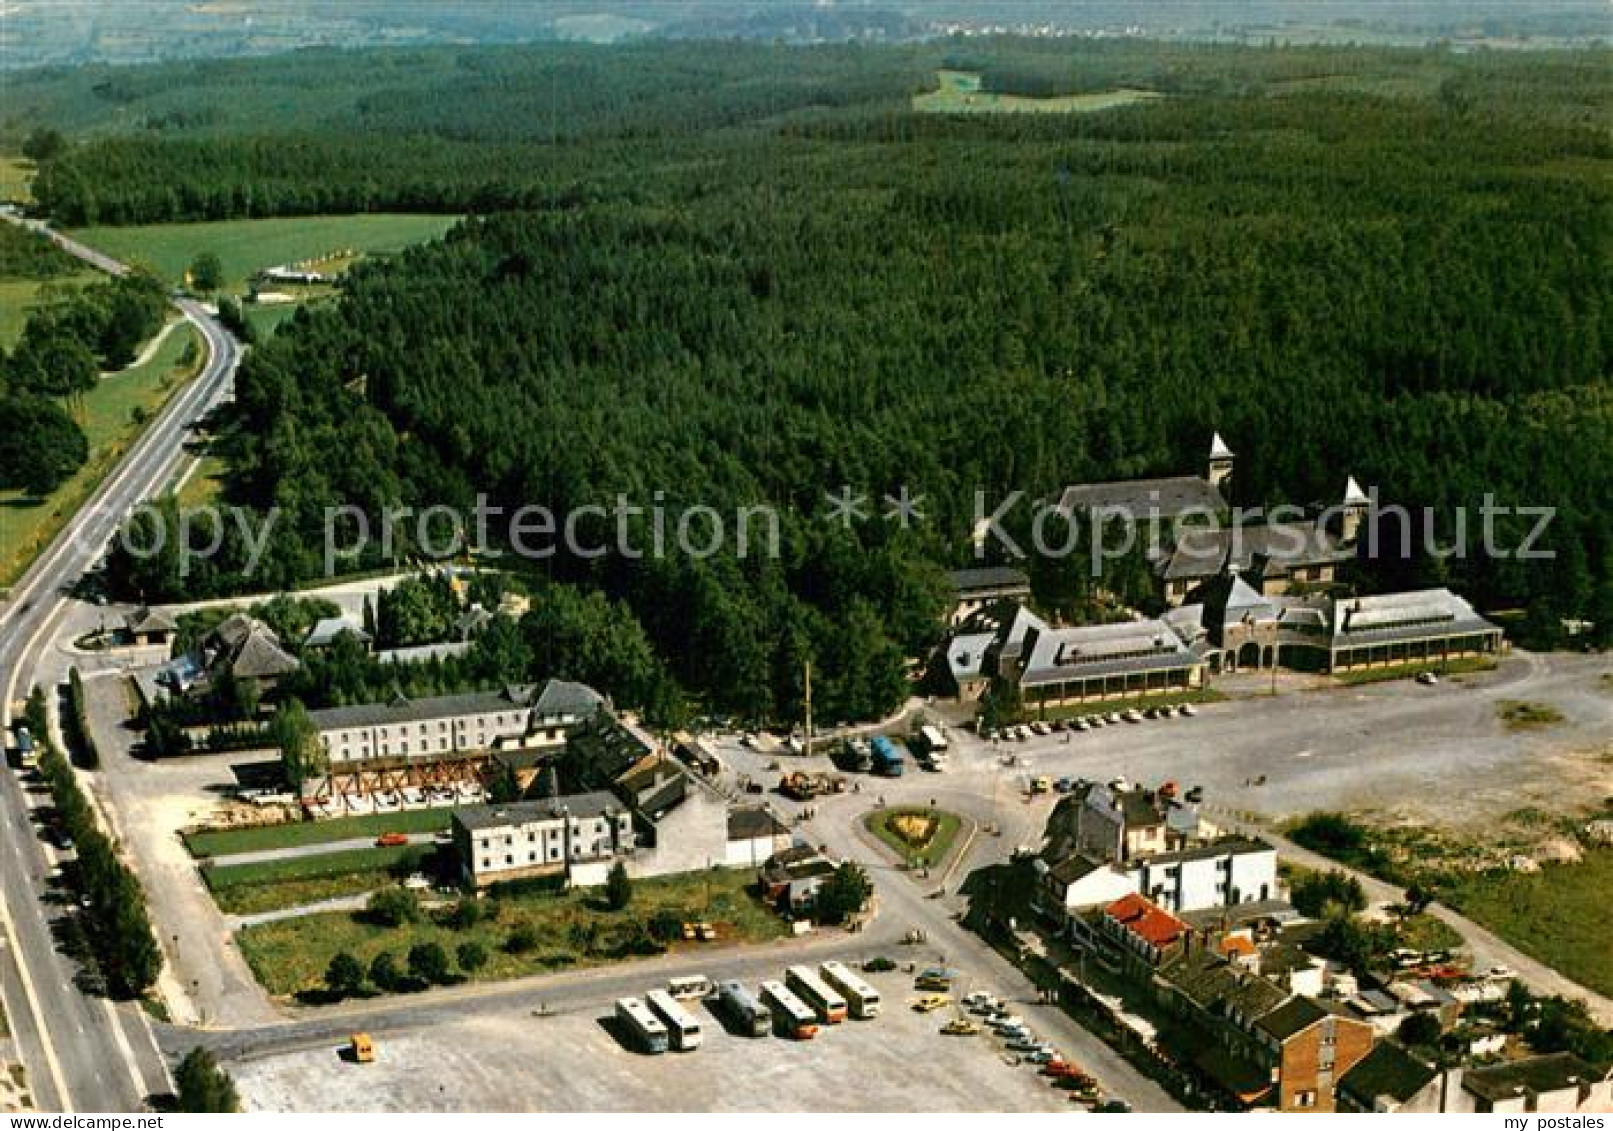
265 838
570 929
271 885
246 246
1558 914
1462 666
934 851
959 93
16 180
18 297
114 415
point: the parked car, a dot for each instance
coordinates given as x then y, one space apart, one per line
1427 679
392 840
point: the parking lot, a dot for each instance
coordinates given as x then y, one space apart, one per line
572 1060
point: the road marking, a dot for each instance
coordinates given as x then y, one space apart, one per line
51 1062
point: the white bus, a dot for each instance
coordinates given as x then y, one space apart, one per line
681 1025
644 1026
934 739
806 985
860 996
690 987
790 1013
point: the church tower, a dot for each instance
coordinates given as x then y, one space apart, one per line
1356 502
1220 463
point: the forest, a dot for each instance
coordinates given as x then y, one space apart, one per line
776 280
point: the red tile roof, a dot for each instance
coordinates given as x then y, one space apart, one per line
1145 919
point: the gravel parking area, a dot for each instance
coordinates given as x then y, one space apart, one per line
572 1061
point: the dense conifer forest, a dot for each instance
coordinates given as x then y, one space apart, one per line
753 275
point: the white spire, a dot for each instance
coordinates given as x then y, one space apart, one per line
1353 495
1218 448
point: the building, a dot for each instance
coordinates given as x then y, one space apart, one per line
148 626
578 837
244 648
1389 1080
974 589
755 836
1145 931
446 739
1308 1048
1152 841
1429 626
791 879
1559 1083
1176 499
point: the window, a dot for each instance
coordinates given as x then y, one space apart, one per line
509 861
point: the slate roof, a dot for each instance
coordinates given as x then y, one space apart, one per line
1224 846
1057 655
402 710
1415 615
597 804
260 656
1141 499
1216 986
147 619
563 697
1388 1070
989 579
753 822
1294 1016
325 632
1283 546
1551 1073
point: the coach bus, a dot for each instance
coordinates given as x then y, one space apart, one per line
819 996
792 1015
689 987
644 1026
860 996
681 1025
746 1015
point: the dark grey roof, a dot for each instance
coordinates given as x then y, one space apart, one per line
1391 617
326 631
599 804
752 822
403 710
1388 1070
1168 498
1225 846
989 579
1536 1074
260 656
563 697
1057 655
1293 1016
150 620
1284 546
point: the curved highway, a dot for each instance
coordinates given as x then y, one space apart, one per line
82 1052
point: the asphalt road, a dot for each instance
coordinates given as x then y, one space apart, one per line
82 1053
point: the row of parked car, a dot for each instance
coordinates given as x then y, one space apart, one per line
1027 1048
1024 731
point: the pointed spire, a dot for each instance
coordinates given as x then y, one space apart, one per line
1218 448
1353 495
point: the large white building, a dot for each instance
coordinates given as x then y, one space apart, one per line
578 837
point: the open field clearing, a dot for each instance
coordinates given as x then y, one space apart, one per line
247 246
960 93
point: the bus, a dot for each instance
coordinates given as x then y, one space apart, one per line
645 1027
860 996
681 1025
934 741
690 987
746 1015
790 1013
823 1000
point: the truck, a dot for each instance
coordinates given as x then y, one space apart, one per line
888 761
799 785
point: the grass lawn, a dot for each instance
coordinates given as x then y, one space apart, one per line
247 246
568 929
245 889
266 318
1517 714
18 297
1106 706
16 180
1462 666
114 415
959 93
933 851
263 838
1559 914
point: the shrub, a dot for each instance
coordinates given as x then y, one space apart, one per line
345 974
429 962
393 907
472 956
523 940
384 971
618 887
